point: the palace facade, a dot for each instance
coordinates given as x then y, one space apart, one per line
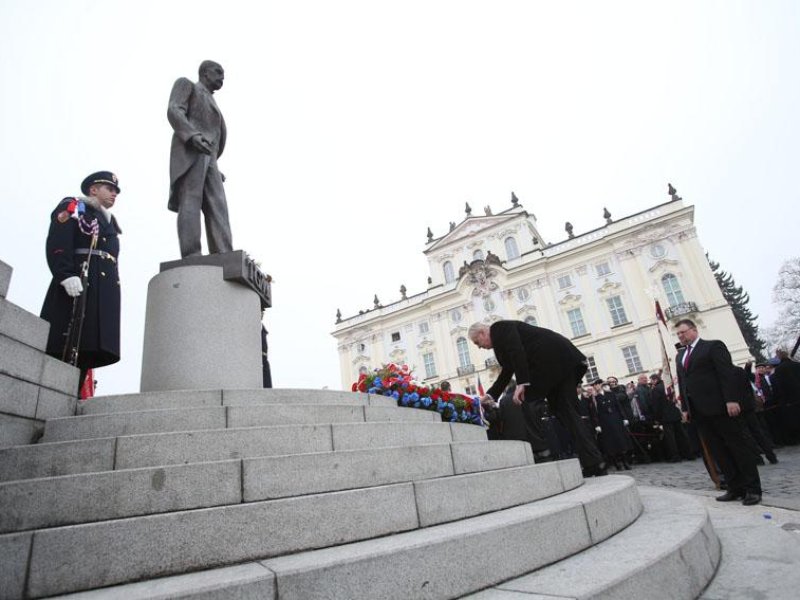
597 288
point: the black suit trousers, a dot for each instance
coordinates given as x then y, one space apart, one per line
561 401
727 443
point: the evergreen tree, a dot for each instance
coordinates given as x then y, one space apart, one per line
738 299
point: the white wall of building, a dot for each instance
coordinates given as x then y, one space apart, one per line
624 263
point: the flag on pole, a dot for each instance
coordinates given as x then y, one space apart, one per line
666 365
480 387
87 385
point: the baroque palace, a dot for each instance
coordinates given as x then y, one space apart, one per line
597 288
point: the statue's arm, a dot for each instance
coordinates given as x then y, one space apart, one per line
178 109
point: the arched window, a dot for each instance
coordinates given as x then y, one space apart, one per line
531 320
512 251
449 273
672 289
477 255
463 352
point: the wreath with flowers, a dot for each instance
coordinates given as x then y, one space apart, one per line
397 381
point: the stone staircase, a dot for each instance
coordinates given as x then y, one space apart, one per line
33 386
285 494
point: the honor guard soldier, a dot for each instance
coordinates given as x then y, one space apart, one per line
83 300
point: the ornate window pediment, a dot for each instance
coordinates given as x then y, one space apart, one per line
362 358
397 355
663 265
609 287
425 343
458 330
570 299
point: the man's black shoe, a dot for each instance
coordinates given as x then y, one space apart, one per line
597 470
730 496
751 498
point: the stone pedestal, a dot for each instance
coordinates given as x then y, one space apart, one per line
201 332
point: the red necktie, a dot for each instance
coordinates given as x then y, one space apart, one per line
686 358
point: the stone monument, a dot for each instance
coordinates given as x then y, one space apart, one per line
203 319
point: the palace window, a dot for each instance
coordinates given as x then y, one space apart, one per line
564 282
512 250
455 315
658 250
523 294
602 269
618 316
488 305
672 289
424 328
576 322
463 352
592 373
430 365
531 320
631 355
396 336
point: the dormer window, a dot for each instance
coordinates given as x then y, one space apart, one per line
477 255
512 250
449 273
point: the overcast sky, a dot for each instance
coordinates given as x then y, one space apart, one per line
354 126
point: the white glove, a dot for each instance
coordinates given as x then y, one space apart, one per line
597 429
73 286
625 422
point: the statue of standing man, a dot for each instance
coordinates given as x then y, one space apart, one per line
194 177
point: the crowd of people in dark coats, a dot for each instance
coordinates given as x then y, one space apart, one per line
644 422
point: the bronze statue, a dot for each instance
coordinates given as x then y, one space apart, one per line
194 177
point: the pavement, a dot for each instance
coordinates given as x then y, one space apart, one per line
780 482
760 544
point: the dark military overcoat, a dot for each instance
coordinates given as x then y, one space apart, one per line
68 241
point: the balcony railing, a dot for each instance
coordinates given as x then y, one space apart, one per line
492 362
678 310
466 370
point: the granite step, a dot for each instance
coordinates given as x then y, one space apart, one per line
18 324
83 557
158 449
222 417
208 398
5 278
183 447
441 561
658 556
56 501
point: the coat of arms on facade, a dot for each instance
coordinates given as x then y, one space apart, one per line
479 275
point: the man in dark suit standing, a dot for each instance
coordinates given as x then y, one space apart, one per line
710 386
546 365
194 178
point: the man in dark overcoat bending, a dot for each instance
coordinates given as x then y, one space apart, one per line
546 365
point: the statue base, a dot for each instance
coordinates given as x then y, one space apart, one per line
202 329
